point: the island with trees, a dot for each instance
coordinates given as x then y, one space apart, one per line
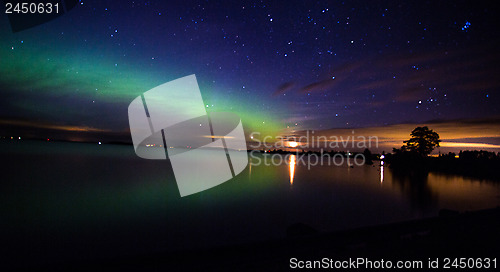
414 157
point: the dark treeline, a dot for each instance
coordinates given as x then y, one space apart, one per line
479 164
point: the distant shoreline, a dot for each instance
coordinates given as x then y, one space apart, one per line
483 166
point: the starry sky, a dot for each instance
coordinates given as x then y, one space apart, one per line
380 67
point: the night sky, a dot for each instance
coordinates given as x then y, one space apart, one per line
379 67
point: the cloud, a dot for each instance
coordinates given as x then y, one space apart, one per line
318 86
283 88
410 77
336 77
43 125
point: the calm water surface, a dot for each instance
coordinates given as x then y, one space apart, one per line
100 200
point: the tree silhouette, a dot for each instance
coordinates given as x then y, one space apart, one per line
368 156
423 140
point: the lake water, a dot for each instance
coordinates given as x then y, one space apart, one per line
78 201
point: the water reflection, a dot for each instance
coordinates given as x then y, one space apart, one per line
59 186
415 185
291 167
381 172
250 168
110 179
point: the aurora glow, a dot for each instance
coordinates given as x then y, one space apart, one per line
282 68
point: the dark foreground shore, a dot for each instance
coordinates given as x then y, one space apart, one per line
449 235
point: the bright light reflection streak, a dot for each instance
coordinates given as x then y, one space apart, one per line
250 170
292 168
381 172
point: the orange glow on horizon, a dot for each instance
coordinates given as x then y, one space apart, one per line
469 145
455 135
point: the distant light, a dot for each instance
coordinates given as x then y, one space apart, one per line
99 142
19 138
382 157
293 144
